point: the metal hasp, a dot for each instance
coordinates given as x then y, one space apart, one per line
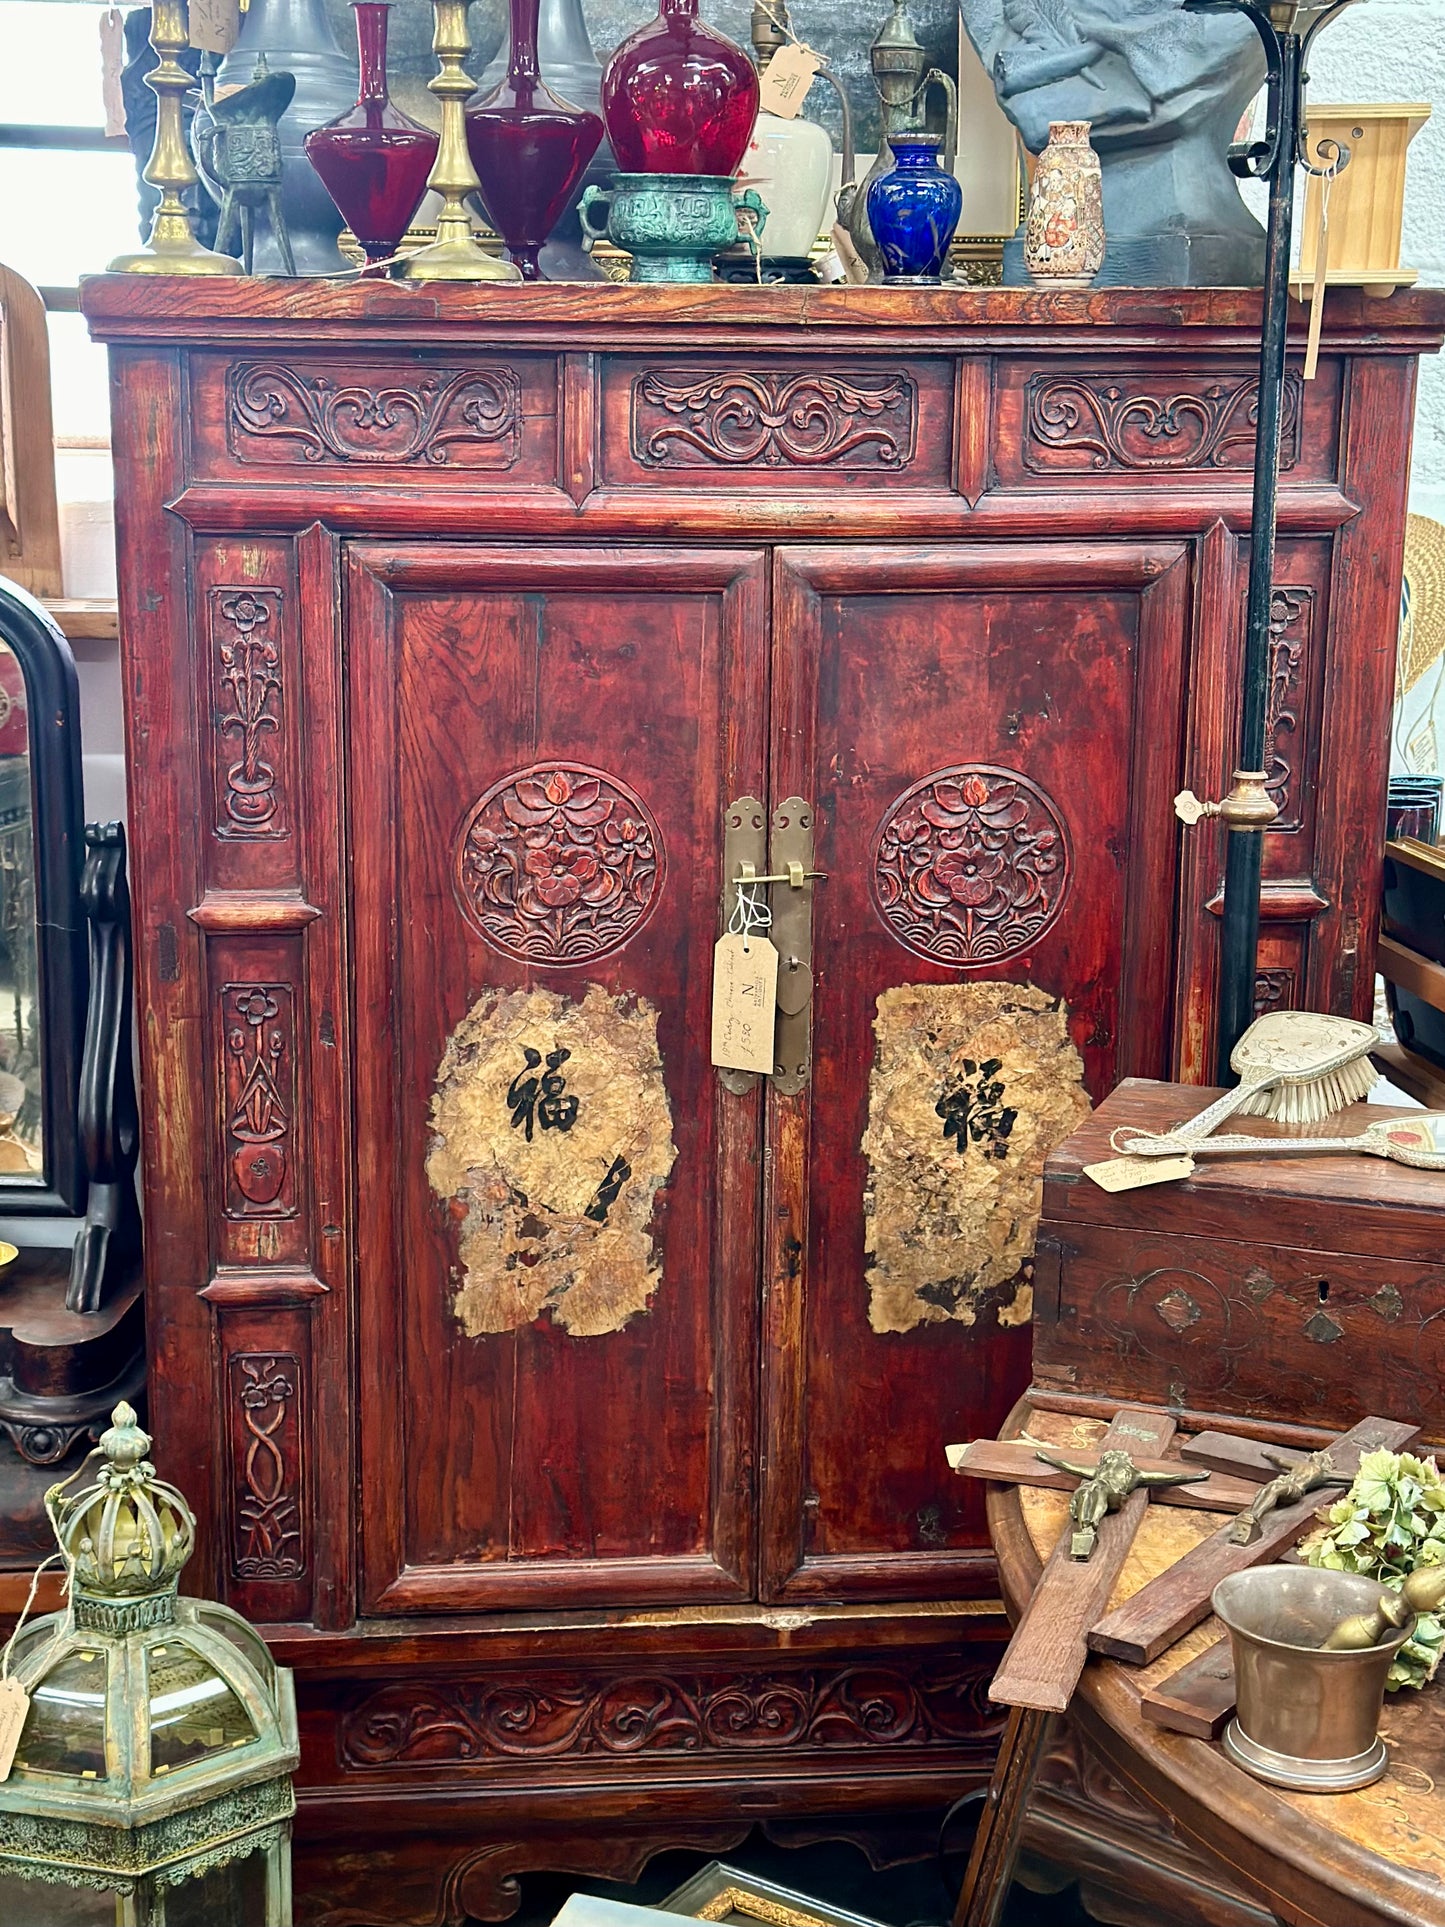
1287 29
745 853
787 842
790 857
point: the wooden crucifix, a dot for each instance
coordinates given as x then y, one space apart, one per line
1046 1655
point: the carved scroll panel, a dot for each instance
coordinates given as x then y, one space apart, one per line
1150 423
284 416
780 1712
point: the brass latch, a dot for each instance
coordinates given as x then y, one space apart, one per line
785 841
1248 806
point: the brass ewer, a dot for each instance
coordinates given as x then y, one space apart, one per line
901 78
455 255
172 247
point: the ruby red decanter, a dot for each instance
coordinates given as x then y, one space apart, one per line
373 159
678 97
530 148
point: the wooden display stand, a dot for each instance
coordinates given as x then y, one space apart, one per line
400 563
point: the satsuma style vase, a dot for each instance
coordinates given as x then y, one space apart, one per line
1064 232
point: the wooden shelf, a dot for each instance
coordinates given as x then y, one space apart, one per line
97 620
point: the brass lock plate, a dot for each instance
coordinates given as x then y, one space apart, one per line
790 854
745 846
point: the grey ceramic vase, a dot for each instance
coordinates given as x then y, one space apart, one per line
573 72
296 38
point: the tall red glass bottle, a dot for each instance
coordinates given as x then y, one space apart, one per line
530 148
678 97
373 159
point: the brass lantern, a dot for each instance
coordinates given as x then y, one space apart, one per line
153 1773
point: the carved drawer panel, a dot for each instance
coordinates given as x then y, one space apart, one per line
274 419
1178 425
777 424
1208 1324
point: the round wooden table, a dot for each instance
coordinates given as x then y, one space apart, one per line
1375 1858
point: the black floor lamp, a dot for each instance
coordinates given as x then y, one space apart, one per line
1288 29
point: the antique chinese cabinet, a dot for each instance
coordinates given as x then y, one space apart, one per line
575 1411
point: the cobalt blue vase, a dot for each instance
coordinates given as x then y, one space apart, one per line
913 210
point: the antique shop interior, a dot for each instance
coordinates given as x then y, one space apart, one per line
722 963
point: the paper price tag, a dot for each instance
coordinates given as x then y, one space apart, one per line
786 80
744 1003
1132 1174
215 25
14 1705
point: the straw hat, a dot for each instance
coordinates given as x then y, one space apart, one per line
1422 603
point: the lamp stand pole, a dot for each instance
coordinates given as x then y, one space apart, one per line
1249 809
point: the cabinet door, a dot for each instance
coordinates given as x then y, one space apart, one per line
990 735
558 1207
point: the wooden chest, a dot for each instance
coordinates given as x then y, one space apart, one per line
1290 1293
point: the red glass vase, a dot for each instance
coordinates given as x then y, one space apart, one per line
530 148
373 159
678 97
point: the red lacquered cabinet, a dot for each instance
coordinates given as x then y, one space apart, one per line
574 1415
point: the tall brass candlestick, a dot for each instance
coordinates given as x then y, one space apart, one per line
454 255
172 247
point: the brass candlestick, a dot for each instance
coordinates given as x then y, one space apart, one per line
454 255
172 247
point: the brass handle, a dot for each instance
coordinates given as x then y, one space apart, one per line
1248 806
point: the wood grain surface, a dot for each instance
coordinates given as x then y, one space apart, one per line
1198 1699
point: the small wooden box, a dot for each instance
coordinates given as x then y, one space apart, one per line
1290 1293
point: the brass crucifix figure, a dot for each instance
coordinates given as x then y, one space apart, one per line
1296 1478
1104 1489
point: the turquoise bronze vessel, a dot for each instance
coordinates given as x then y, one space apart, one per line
671 224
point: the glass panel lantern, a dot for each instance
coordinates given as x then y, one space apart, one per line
152 1783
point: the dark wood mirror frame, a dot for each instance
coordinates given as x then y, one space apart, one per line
52 696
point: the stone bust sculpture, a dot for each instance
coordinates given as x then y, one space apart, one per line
1165 91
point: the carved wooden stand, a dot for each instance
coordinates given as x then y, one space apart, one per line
410 576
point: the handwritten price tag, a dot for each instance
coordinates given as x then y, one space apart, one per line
786 80
744 1003
14 1705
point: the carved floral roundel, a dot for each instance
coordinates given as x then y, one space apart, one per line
558 864
971 865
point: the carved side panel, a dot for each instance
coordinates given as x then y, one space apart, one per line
1291 639
779 1712
745 418
259 1023
1137 424
248 712
281 416
264 1393
265 1406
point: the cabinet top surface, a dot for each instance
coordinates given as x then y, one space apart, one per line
203 311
